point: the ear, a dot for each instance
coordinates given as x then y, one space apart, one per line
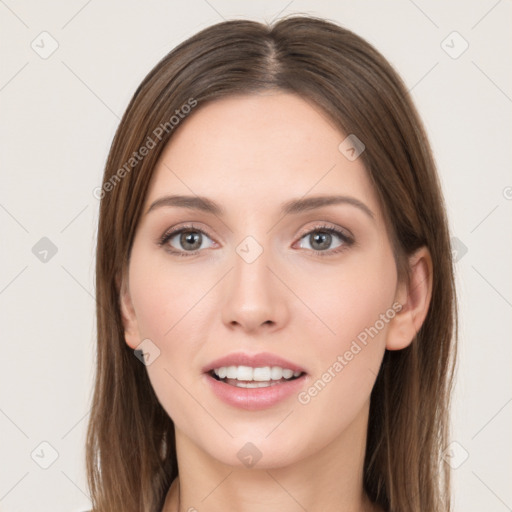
131 328
414 299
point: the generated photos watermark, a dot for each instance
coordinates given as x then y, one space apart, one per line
149 144
357 345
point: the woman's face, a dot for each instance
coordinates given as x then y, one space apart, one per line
264 277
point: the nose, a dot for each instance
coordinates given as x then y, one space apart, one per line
254 298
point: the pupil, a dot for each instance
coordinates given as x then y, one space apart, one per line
322 237
192 238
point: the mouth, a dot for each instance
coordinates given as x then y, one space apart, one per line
254 377
254 381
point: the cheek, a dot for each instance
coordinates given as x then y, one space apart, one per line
172 308
164 296
350 300
357 307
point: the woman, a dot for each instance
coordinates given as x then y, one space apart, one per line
276 304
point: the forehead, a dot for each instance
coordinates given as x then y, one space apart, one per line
261 149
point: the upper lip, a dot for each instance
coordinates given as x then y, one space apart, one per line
254 360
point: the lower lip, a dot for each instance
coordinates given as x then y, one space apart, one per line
255 399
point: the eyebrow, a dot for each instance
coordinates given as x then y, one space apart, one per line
294 206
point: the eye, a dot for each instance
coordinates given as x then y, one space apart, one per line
320 240
184 241
189 240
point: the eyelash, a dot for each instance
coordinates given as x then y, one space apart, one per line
347 240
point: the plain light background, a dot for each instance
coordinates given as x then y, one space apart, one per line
58 118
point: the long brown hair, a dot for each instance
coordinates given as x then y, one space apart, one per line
131 458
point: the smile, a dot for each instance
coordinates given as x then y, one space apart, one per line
249 377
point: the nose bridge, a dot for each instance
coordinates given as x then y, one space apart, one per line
251 276
251 265
253 295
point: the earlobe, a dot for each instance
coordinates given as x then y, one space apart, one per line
131 330
415 301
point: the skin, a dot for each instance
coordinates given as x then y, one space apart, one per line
250 154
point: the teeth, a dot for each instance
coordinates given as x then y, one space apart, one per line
287 374
259 375
276 373
231 372
262 374
255 384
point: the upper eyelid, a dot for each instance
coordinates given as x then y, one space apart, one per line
174 231
328 226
